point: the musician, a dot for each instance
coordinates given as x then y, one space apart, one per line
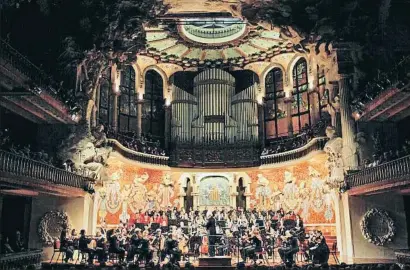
115 245
65 245
101 248
139 246
211 227
289 248
18 243
83 246
255 240
318 249
171 248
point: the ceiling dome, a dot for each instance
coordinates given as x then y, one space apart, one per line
212 30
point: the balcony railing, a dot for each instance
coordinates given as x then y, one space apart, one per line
138 156
20 260
12 57
393 170
12 164
315 144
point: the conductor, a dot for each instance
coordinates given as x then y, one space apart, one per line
211 227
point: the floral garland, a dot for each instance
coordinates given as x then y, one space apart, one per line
383 216
52 220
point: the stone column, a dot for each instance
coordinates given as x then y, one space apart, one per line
167 130
140 102
261 120
288 102
348 125
114 113
314 104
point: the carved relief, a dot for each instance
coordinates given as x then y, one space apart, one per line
51 225
333 148
377 227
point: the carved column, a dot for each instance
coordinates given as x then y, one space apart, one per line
261 120
140 102
115 112
167 130
288 102
348 125
314 105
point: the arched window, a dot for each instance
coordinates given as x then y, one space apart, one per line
127 120
275 109
104 110
300 106
153 111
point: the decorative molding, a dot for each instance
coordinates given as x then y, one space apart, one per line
383 219
50 226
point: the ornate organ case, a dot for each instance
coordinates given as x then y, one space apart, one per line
214 113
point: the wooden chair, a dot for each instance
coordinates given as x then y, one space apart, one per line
58 251
333 252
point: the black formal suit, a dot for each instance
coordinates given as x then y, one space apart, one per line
83 246
211 227
291 247
65 246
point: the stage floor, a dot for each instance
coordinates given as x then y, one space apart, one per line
193 261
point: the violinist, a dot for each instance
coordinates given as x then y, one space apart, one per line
256 245
83 246
65 245
318 248
289 248
115 246
171 248
139 246
101 248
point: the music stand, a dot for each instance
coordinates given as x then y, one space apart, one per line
140 226
155 226
173 222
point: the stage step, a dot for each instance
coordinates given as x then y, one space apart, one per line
219 261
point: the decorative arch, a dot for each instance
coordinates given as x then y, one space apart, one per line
268 69
292 64
153 113
139 82
163 75
275 116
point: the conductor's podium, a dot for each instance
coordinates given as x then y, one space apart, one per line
224 262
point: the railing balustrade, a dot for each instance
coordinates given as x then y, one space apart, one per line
392 170
10 56
20 166
138 156
316 144
20 260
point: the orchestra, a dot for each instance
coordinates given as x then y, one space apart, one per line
168 236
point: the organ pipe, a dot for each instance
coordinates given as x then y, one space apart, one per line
214 112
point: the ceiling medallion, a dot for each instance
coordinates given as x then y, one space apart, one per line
212 31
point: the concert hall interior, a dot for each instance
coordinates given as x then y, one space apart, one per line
209 134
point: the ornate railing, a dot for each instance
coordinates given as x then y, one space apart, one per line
24 167
11 56
138 156
315 144
403 256
20 260
396 169
245 154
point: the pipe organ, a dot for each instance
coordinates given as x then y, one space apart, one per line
214 113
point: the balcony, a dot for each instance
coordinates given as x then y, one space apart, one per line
316 144
22 173
20 260
26 90
385 177
138 156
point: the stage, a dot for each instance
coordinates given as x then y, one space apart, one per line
203 262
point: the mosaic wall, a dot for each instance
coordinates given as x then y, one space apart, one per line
298 187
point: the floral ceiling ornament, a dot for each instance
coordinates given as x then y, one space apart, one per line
377 227
51 225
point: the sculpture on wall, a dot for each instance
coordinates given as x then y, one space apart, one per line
290 193
377 227
166 191
51 225
138 194
87 153
113 193
263 192
333 148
